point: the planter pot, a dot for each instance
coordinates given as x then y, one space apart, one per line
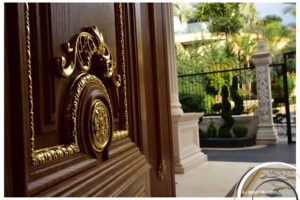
228 142
249 121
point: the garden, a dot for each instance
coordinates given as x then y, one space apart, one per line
216 74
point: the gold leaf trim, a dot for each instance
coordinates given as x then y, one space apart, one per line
76 89
123 63
122 133
42 156
30 89
100 124
162 170
81 49
119 134
45 155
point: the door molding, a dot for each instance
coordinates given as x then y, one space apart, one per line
45 155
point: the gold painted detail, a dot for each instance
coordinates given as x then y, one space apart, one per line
119 134
81 50
100 126
41 156
48 154
81 81
30 92
162 170
123 63
122 133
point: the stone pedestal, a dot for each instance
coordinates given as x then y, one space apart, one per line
266 133
186 149
187 152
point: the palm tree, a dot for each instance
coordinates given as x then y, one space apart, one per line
290 8
182 11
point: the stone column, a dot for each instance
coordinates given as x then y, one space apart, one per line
266 133
186 149
170 45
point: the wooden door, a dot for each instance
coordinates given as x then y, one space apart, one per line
86 101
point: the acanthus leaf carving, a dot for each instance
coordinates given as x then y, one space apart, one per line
80 51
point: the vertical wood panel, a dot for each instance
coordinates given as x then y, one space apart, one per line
154 95
16 104
148 96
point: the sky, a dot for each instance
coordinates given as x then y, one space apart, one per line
274 9
263 9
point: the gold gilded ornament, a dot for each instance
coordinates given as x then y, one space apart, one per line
100 126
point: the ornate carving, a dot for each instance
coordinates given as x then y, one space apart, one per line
76 90
30 92
122 133
82 48
119 134
162 170
43 155
100 126
48 154
263 93
123 63
261 46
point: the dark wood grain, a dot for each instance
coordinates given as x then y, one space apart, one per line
129 166
154 95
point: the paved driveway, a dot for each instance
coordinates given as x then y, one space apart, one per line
280 152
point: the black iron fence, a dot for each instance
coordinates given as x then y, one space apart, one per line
199 92
283 83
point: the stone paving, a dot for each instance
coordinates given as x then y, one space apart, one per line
210 179
217 176
280 152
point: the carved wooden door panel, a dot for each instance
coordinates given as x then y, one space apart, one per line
76 141
86 101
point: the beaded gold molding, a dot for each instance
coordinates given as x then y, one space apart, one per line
45 155
122 133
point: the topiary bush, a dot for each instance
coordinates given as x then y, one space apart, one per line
190 103
238 99
196 103
211 131
224 130
240 131
217 107
202 134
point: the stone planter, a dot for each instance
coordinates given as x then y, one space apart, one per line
227 142
249 121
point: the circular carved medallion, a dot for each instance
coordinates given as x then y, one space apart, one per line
89 115
100 124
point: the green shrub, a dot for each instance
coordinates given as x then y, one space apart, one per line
196 103
240 131
190 103
225 114
208 102
211 131
238 99
216 107
225 105
224 132
278 86
202 134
